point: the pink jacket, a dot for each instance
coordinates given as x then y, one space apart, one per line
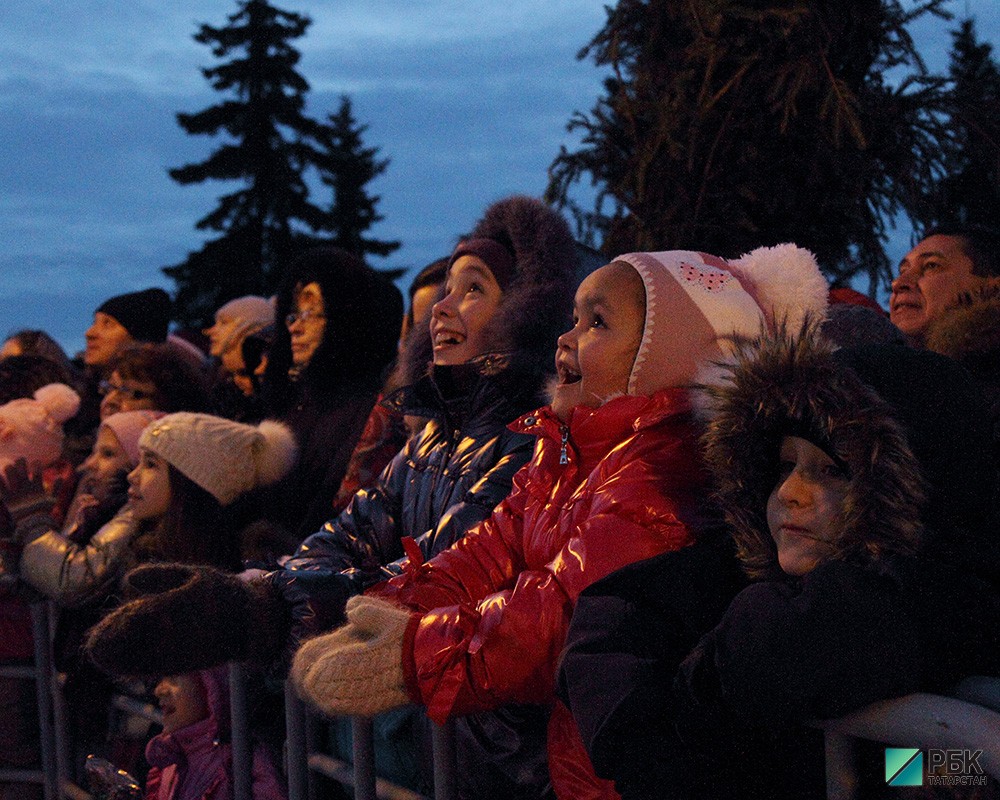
192 764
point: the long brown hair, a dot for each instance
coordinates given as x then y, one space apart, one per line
194 529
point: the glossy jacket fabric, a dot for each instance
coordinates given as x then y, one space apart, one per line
445 479
195 762
73 574
618 484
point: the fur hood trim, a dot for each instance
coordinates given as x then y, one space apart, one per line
969 332
537 305
785 383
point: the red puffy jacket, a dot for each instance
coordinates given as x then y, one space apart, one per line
619 484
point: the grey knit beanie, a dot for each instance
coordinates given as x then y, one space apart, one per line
223 457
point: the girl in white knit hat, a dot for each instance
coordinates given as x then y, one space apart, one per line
182 505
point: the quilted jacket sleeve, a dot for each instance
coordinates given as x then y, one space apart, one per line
497 616
366 534
73 574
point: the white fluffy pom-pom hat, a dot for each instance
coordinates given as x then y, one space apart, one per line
223 457
699 306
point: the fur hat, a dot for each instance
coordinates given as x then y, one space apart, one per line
127 426
886 412
538 296
240 317
31 428
698 305
224 458
216 616
145 315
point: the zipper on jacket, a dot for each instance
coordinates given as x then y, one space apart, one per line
563 453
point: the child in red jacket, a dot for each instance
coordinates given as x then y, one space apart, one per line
615 478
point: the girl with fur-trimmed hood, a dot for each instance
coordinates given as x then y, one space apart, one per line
861 494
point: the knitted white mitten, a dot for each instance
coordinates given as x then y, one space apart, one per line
357 669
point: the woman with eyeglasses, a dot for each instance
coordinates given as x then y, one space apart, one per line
338 325
152 377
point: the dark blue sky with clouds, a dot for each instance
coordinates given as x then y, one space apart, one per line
469 100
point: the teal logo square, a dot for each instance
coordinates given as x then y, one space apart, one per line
904 766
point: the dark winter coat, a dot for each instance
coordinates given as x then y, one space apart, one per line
872 622
327 428
447 478
970 334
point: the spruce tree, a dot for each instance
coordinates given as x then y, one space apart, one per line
730 124
261 222
968 190
347 167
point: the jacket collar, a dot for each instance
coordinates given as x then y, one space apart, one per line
457 393
593 432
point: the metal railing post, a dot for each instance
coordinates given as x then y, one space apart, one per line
445 761
43 691
239 710
362 734
296 754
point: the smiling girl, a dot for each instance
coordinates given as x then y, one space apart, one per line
190 470
192 758
615 478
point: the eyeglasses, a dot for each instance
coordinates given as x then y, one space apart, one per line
107 387
303 316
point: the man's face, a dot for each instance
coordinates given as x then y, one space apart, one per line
931 277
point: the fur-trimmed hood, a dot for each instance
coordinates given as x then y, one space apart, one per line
910 425
792 383
969 332
537 305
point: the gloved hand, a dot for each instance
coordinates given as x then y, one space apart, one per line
357 669
28 503
181 618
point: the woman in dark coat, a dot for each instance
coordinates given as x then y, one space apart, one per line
338 324
892 594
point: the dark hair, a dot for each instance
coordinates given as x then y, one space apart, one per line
254 348
39 343
22 376
195 529
433 274
179 385
364 312
981 245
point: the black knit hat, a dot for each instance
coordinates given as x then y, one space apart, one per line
145 315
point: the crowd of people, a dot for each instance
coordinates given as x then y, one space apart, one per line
636 531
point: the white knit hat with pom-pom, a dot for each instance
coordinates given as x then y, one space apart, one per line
223 457
698 305
31 427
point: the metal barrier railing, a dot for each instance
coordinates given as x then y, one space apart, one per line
301 754
38 671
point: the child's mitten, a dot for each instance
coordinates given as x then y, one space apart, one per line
357 669
29 504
